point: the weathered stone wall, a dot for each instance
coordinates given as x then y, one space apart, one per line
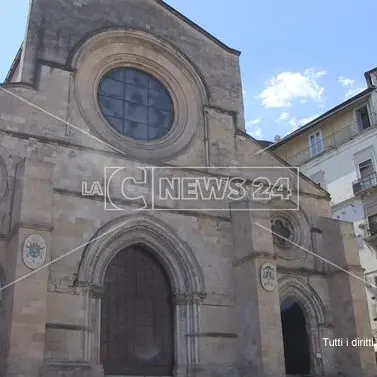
57 27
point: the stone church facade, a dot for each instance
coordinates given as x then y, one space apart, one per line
218 288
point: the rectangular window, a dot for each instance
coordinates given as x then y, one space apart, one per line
362 118
319 179
316 143
366 168
374 313
372 220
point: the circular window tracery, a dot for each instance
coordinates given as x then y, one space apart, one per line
136 104
283 232
119 48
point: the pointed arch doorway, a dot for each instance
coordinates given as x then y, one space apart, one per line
137 336
295 339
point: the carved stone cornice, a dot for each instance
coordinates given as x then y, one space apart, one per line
67 326
300 271
91 290
325 325
35 226
96 291
265 255
189 298
213 335
346 269
315 230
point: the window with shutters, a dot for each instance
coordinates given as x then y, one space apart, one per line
366 168
372 220
362 118
316 143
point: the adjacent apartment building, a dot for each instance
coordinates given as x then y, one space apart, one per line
338 152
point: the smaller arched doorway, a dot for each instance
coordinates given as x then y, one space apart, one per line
137 316
295 338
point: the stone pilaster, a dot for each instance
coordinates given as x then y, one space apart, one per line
347 295
261 351
26 306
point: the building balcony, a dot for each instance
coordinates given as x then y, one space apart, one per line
370 234
365 184
328 143
371 287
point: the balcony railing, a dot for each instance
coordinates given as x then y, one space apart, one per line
369 229
372 230
330 142
365 183
374 312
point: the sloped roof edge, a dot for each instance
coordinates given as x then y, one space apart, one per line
197 27
14 66
322 117
282 161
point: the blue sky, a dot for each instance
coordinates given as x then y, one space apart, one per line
299 58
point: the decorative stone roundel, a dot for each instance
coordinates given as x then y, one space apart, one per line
34 251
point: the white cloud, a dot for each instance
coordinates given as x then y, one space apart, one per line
253 122
344 81
315 74
352 92
253 129
284 116
256 133
296 123
293 121
244 92
307 120
350 85
282 89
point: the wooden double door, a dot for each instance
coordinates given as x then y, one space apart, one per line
137 316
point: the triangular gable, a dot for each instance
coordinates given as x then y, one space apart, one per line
275 160
197 27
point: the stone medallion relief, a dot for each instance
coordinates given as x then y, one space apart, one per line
34 251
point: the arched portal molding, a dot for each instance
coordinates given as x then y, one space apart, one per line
316 315
306 297
179 261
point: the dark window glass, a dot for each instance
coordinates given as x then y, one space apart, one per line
282 233
136 104
372 220
363 118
